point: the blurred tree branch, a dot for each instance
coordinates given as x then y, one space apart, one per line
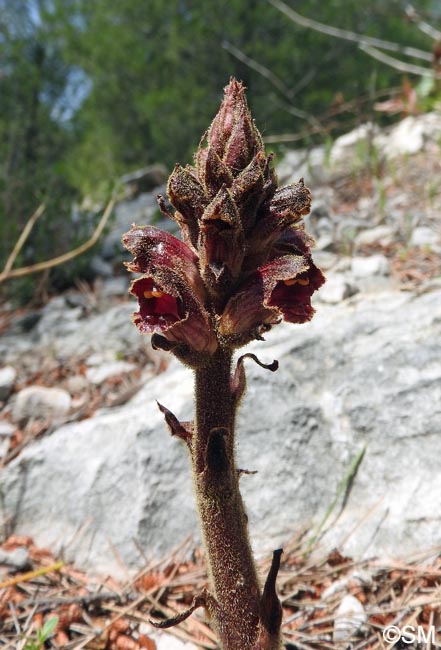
424 27
274 80
323 123
8 272
402 66
327 118
21 240
258 67
348 35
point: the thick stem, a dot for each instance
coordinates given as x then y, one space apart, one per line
221 510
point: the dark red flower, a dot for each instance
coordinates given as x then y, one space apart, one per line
280 289
155 249
169 307
170 292
221 242
292 297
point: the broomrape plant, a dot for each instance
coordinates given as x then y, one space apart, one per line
243 265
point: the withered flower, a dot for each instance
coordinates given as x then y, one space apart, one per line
244 262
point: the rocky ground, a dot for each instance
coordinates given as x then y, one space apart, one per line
345 436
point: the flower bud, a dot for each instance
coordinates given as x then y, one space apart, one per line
232 141
187 196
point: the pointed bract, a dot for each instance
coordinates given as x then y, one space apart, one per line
251 188
293 200
213 173
187 195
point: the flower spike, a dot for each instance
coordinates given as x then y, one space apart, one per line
244 262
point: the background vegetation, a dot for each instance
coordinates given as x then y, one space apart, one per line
91 90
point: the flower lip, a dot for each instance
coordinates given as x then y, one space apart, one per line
145 242
158 310
292 297
167 305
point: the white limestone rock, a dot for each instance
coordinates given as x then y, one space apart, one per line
383 235
336 289
424 237
349 619
98 374
411 134
41 402
364 372
8 375
366 267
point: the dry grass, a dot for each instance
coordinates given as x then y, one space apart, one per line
111 615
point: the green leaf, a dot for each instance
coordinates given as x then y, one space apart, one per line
425 87
49 627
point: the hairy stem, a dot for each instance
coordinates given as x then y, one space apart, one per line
223 520
245 617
